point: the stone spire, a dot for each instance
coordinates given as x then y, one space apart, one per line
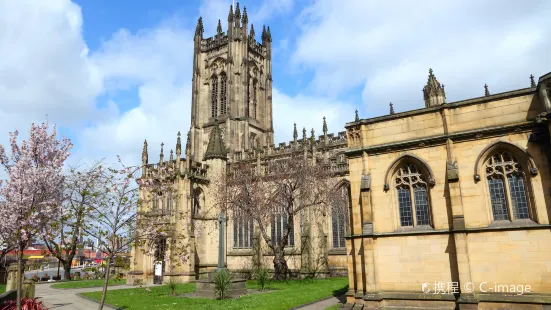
325 139
304 135
237 15
268 34
178 146
486 91
144 153
295 133
251 34
199 29
245 18
312 137
219 27
357 119
216 148
433 92
391 109
264 35
161 156
532 82
188 142
230 14
171 156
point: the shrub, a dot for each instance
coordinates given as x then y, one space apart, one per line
27 304
262 276
35 278
45 278
172 286
222 283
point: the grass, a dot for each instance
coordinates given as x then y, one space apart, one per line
87 283
286 295
2 288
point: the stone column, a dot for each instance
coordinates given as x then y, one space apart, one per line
221 238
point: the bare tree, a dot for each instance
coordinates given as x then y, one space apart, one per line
66 231
278 194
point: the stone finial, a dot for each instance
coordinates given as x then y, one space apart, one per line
532 82
161 156
486 91
178 145
269 34
312 136
188 142
324 126
303 134
433 92
357 119
216 148
245 18
251 33
295 133
219 27
237 14
391 109
199 29
264 35
171 156
230 14
144 153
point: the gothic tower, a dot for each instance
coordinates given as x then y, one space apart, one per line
232 86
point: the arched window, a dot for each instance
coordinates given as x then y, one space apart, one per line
255 82
339 217
279 224
242 231
413 196
197 201
223 93
507 186
214 96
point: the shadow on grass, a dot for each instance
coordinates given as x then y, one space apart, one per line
340 294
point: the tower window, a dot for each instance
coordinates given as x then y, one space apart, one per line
223 93
254 98
214 96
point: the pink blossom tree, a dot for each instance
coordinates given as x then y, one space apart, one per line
32 194
66 230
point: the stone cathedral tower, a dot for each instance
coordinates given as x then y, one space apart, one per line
232 87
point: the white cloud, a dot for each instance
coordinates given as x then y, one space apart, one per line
387 47
44 68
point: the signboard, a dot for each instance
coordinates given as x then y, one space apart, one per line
158 269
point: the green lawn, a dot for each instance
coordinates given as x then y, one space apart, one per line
87 283
2 288
286 295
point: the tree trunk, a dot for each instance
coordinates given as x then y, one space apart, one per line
280 265
106 282
19 276
67 270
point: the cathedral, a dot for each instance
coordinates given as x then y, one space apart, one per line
231 121
449 205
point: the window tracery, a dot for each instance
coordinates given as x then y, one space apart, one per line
413 196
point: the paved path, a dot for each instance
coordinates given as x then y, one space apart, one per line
326 303
56 299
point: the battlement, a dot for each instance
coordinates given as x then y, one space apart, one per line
216 41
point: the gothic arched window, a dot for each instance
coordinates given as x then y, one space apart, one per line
214 95
243 230
413 196
507 186
279 228
197 201
339 217
223 93
255 82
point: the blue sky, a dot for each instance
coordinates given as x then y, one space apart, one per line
112 73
